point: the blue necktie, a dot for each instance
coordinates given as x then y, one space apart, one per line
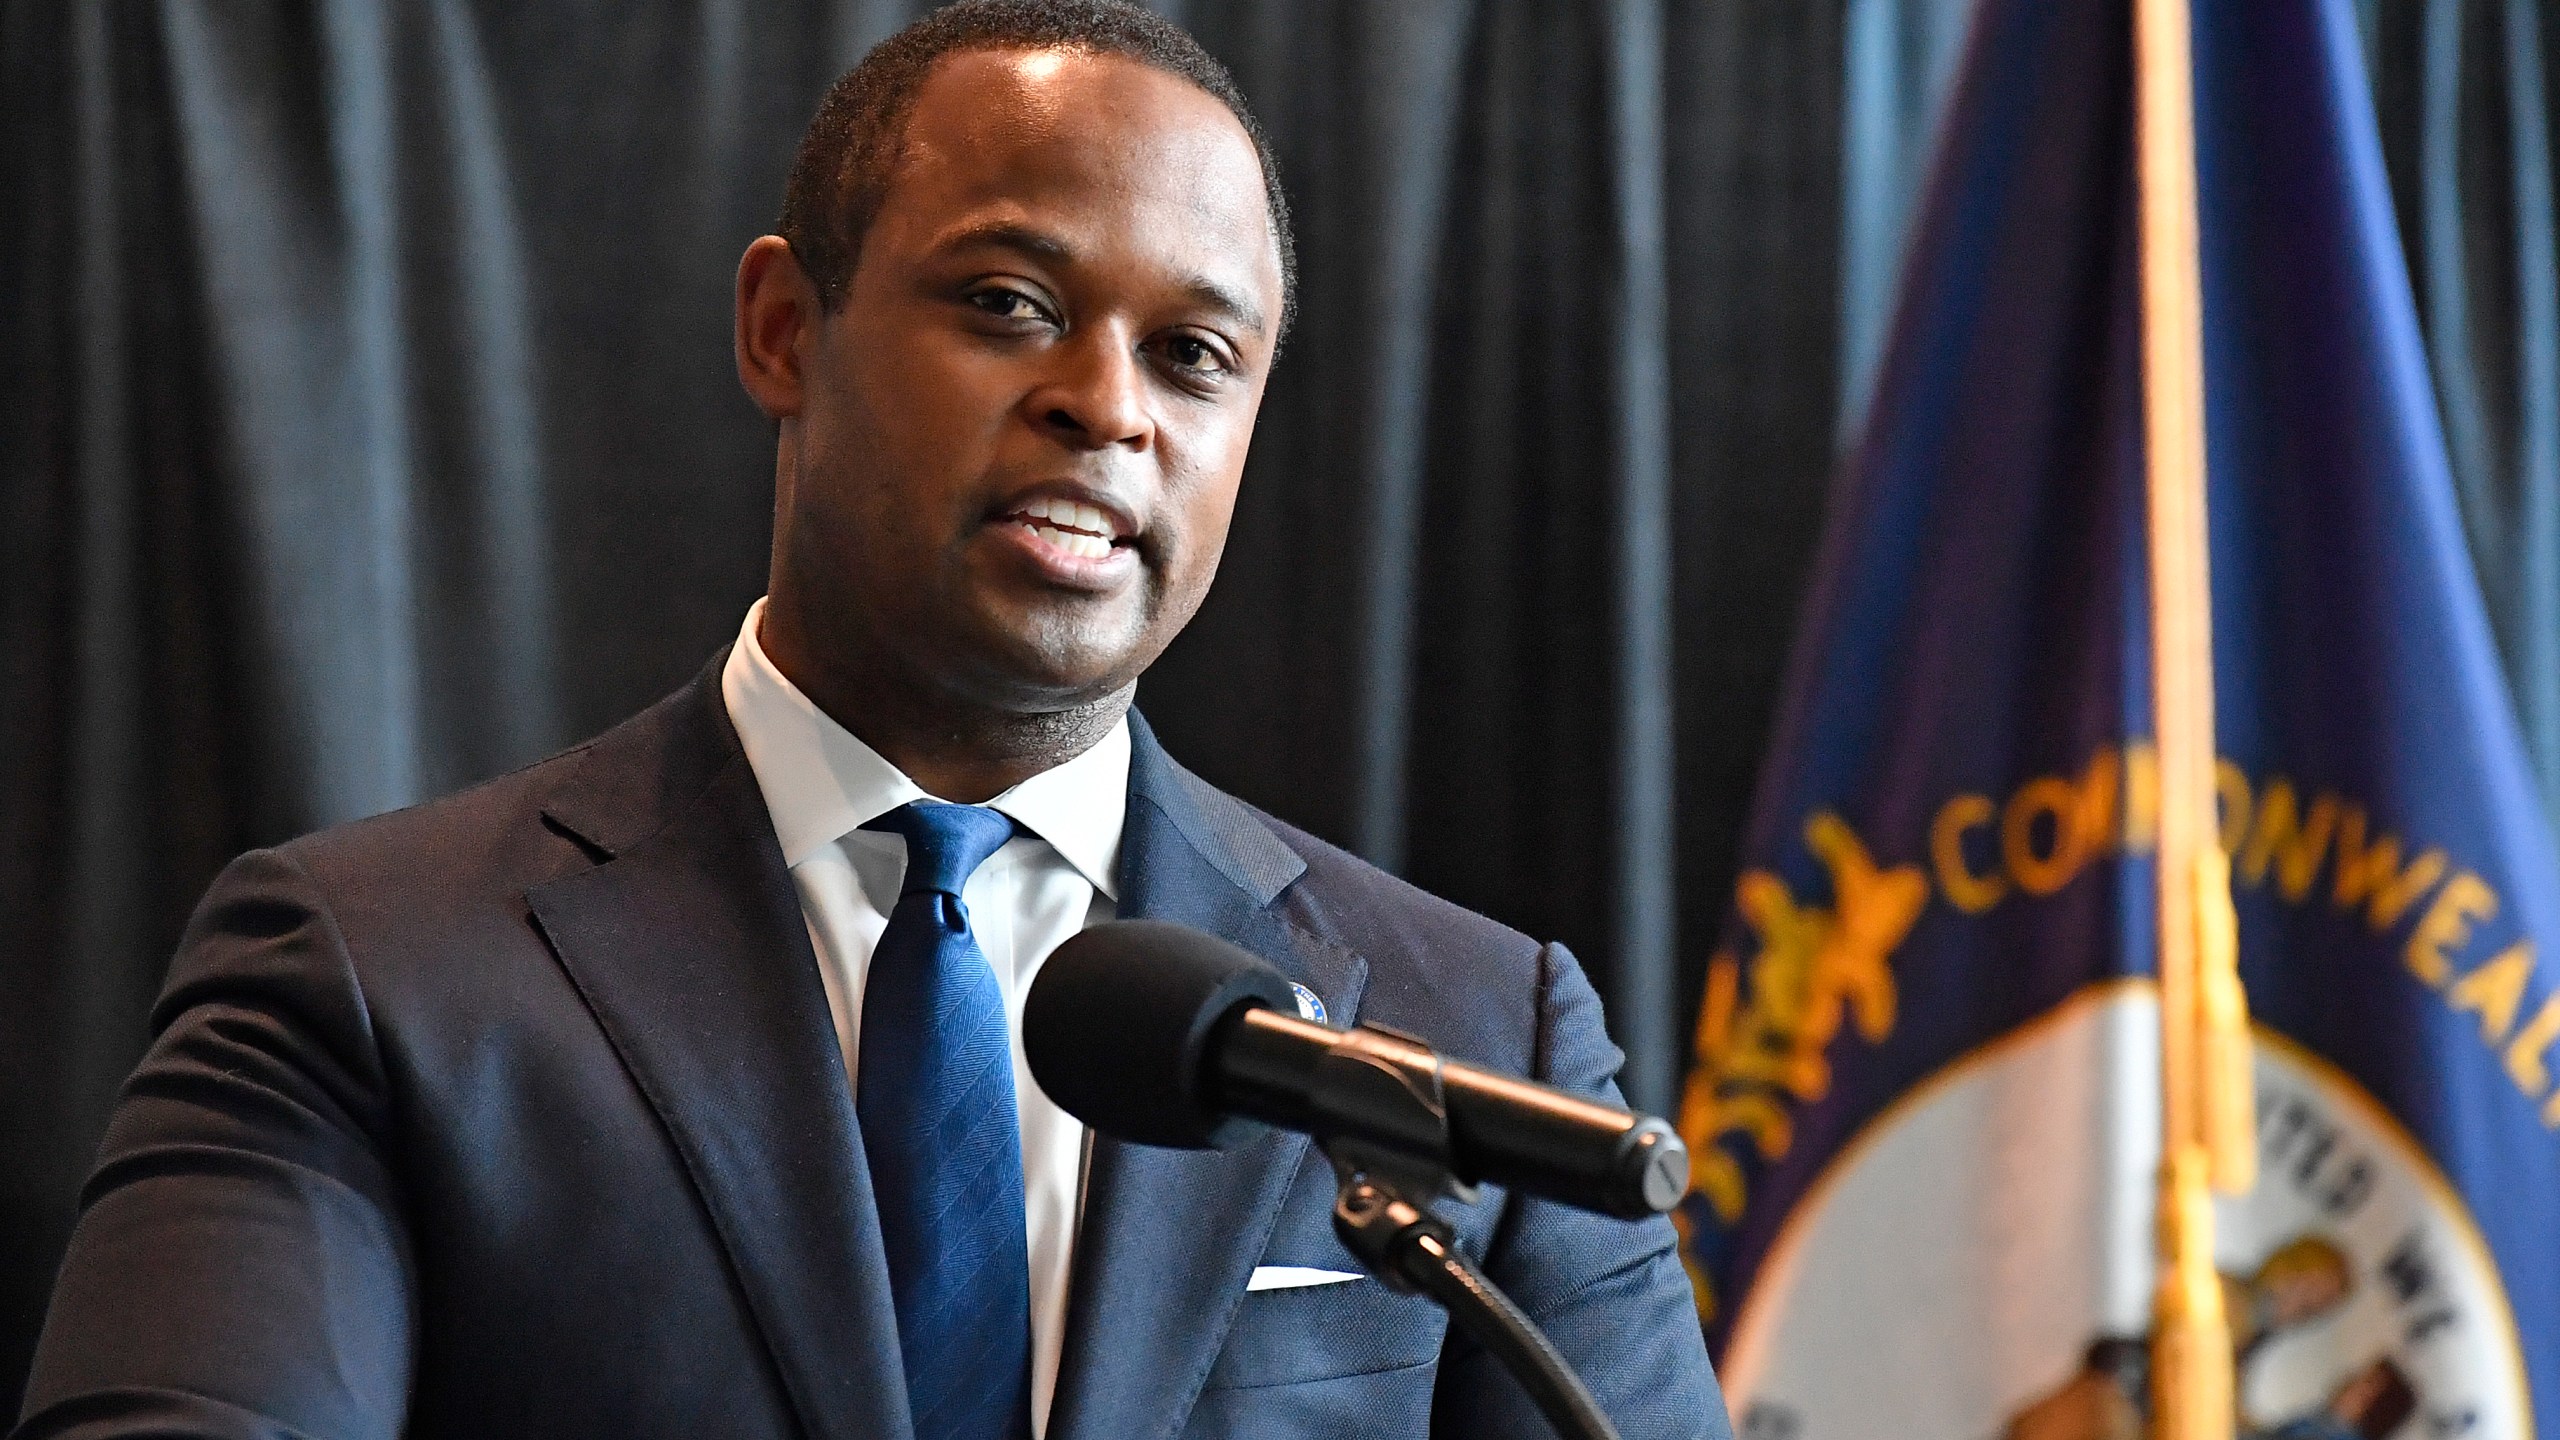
935 1099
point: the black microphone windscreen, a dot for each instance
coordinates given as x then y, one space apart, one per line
1117 1026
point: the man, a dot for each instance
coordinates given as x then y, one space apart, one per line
661 1088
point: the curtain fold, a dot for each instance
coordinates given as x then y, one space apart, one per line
1899 59
2476 219
1644 919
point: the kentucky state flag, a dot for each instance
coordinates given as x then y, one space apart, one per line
1926 1115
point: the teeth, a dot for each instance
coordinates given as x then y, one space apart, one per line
1090 547
1068 515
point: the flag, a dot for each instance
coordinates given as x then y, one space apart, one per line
1926 1109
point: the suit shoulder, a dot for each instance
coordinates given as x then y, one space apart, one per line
603 791
429 823
1468 983
1337 879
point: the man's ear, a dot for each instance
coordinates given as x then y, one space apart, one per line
777 307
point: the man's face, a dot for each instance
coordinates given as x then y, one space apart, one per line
1020 435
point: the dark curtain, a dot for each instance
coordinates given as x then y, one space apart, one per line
2462 88
368 427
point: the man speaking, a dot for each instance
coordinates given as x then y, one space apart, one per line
673 1086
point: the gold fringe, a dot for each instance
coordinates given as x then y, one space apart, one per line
2226 1091
2191 1374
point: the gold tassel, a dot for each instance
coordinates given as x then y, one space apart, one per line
2191 1376
2225 1089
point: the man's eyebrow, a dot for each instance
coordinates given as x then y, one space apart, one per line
1008 235
1208 292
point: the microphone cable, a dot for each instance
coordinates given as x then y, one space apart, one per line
1420 1252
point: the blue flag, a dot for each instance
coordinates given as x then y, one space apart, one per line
1926 1111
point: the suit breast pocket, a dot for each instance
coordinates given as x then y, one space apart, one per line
1326 1332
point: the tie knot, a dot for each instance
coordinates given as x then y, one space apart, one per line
945 843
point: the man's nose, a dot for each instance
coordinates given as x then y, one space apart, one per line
1096 397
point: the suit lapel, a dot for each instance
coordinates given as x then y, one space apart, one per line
688 944
1170 1237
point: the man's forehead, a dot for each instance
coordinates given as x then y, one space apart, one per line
1095 90
1041 128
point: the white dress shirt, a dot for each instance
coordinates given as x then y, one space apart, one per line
821 785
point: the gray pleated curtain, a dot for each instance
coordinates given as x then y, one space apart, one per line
2462 88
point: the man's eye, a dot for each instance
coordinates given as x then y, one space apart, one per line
1193 353
1008 305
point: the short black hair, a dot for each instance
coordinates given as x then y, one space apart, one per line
842 173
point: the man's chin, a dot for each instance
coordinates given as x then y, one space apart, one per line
1043 663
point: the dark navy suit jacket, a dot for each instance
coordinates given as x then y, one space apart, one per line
520 1113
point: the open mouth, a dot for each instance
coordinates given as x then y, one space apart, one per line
1087 532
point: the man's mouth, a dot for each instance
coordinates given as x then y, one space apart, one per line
1087 532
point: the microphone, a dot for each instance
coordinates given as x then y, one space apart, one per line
1165 1035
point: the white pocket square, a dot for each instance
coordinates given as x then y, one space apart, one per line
1293 1277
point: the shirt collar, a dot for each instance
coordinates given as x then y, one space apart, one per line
821 782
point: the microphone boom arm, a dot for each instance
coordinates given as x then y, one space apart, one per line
1376 1105
1413 1250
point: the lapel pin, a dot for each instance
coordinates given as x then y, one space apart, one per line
1310 1009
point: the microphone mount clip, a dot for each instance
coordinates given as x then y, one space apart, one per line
1380 1113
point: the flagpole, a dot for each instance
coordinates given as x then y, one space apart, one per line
2206 1114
